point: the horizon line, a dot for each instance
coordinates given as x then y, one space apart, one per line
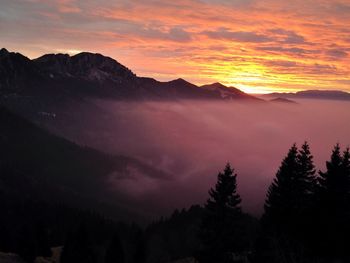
74 52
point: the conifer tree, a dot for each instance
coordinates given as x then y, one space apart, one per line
305 217
288 207
306 171
335 183
291 192
225 195
345 166
333 203
331 182
222 210
345 175
280 202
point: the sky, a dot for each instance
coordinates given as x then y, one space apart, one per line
257 46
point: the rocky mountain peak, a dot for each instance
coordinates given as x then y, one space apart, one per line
84 65
3 51
181 82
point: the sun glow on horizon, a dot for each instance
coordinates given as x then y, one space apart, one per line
258 46
254 90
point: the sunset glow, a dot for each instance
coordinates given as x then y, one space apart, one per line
257 46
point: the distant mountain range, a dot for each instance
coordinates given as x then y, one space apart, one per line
88 75
311 94
97 76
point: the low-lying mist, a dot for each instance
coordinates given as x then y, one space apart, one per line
193 140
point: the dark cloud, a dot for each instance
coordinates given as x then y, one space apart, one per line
292 67
178 34
234 3
292 50
239 36
336 53
341 9
134 30
281 63
288 36
323 68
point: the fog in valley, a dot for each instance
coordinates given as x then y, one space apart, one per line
193 140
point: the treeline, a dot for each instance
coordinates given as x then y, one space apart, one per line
31 228
306 219
306 214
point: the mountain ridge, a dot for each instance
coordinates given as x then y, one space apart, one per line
52 168
229 93
82 65
311 94
96 75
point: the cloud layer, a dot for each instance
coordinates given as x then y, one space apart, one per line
255 45
192 141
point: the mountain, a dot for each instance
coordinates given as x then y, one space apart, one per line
94 67
175 89
91 75
41 166
59 92
17 72
312 94
228 93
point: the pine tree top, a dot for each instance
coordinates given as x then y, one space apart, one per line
293 185
335 181
225 194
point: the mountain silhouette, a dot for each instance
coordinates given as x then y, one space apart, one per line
88 66
312 94
94 75
52 169
228 93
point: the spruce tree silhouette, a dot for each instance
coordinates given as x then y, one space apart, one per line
305 213
282 197
290 194
219 227
288 215
332 182
345 169
307 173
333 204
